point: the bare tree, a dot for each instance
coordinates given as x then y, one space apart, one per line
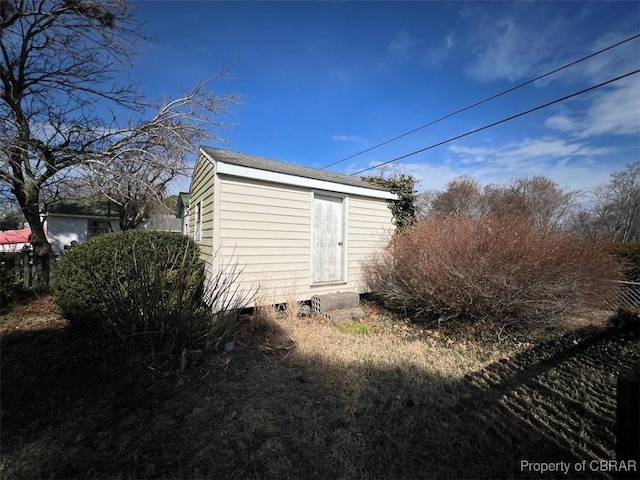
462 198
616 206
545 204
501 201
11 217
60 64
538 200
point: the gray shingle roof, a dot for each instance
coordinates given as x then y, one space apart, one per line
250 161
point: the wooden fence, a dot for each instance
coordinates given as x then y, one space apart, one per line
18 267
628 296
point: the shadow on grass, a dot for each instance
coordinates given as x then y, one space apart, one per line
68 412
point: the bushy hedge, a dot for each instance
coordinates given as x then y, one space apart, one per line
629 253
492 270
142 288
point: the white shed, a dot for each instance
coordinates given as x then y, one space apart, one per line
295 231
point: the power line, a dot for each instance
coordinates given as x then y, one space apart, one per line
500 121
484 101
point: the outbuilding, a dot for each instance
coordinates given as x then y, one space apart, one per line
295 232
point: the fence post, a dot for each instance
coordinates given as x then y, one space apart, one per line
26 268
628 419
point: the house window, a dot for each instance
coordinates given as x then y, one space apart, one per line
98 227
198 222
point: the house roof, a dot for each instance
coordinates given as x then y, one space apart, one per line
182 203
12 237
82 208
184 197
259 163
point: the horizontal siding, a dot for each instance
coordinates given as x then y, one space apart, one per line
282 266
283 211
265 229
260 217
201 190
266 235
370 228
239 198
283 245
240 249
261 189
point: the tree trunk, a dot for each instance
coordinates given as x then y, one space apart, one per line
30 205
41 256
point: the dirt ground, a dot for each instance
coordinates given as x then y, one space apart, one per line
300 398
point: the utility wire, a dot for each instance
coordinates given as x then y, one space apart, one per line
484 101
539 107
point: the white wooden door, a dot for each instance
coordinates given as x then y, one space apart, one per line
327 249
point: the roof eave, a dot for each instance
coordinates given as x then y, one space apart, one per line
286 179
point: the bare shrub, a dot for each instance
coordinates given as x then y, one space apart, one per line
498 270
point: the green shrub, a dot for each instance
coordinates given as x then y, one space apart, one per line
500 272
11 290
113 261
147 290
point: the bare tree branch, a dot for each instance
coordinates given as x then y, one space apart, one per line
59 61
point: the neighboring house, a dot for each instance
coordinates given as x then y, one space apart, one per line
163 222
295 231
182 211
14 240
78 220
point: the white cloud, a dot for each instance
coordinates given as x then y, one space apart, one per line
620 59
616 111
450 41
346 138
509 48
534 149
572 164
580 176
441 51
400 48
527 151
472 154
561 122
430 177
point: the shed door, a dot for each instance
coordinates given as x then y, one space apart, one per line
327 249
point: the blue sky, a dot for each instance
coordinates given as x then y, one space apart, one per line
321 81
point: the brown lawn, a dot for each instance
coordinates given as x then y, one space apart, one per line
300 398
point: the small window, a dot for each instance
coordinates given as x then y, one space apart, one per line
98 227
198 221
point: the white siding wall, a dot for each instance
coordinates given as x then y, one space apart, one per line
266 229
13 247
370 228
62 231
202 193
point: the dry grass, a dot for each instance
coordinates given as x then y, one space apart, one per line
292 307
304 400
